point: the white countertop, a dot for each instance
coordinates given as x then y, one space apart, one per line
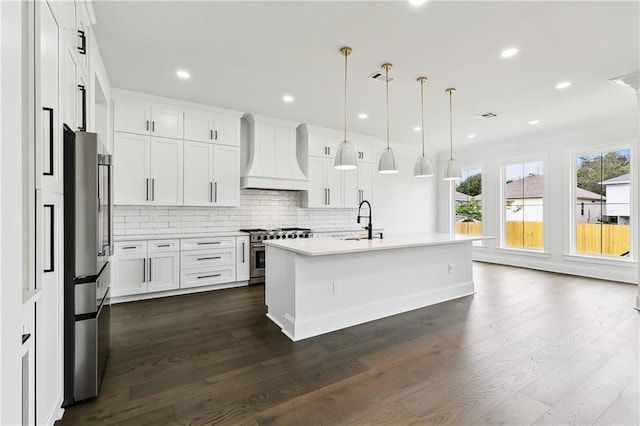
178 236
327 246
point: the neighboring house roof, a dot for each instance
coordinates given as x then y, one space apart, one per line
626 178
464 197
583 194
527 187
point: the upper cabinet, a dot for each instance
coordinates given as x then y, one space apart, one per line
203 126
144 118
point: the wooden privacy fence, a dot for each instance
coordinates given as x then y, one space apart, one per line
591 238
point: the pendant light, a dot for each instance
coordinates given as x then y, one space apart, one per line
346 155
423 167
387 162
453 169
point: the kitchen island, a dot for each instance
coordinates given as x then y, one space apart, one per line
315 286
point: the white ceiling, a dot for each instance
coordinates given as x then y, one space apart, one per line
247 55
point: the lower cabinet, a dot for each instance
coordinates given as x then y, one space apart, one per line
243 272
208 261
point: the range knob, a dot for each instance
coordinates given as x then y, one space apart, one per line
290 236
294 236
271 237
258 237
277 237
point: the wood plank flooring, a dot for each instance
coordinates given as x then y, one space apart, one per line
529 347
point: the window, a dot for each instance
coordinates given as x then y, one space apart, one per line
468 199
524 213
603 203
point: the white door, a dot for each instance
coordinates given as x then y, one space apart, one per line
49 280
49 136
226 131
198 173
242 258
129 274
131 168
366 173
317 194
166 171
226 175
333 180
198 126
164 271
351 193
166 121
131 117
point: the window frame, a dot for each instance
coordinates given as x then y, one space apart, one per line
479 243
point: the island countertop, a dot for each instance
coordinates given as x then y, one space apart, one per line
328 246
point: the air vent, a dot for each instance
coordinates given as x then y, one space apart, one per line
487 115
379 75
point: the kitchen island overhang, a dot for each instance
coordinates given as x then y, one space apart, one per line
320 285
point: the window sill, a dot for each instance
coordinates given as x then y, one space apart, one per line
523 252
624 262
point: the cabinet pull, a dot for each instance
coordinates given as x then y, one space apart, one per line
209 258
163 245
83 100
329 150
242 252
144 270
215 192
208 276
211 192
329 196
147 184
49 164
210 242
153 126
128 247
147 125
210 134
216 135
51 243
150 269
83 42
153 189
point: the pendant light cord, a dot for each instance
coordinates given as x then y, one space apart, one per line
422 110
450 126
346 53
386 68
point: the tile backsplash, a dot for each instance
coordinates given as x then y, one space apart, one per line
258 209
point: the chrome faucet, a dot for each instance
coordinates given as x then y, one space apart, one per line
369 227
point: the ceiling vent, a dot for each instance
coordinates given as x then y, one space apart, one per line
379 75
486 115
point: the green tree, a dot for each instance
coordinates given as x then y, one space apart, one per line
596 169
470 209
471 186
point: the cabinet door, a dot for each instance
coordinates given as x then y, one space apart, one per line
69 90
351 193
129 274
49 135
131 168
366 173
164 271
131 117
82 112
365 152
317 145
198 173
242 259
226 131
166 121
82 36
198 126
166 171
333 180
226 175
317 193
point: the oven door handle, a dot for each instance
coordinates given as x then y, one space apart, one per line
257 247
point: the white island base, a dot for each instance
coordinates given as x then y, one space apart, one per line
322 285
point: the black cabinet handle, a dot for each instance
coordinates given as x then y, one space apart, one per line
209 258
210 242
83 42
147 125
216 135
208 276
153 126
153 189
51 266
25 337
128 247
150 270
210 134
83 93
147 180
144 270
242 252
211 192
48 171
215 192
163 245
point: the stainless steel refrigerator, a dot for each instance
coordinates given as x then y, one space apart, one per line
87 251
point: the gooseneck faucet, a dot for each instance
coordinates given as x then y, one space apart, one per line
369 227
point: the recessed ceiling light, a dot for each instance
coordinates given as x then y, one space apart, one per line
532 122
287 98
417 2
362 116
417 129
563 85
471 136
183 74
507 53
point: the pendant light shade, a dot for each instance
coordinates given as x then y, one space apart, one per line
346 158
387 164
423 166
452 171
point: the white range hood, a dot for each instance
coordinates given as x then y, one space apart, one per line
269 157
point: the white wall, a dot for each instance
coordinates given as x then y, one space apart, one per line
557 148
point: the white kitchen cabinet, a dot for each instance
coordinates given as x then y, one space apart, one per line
207 261
164 271
350 186
69 90
364 152
323 145
211 174
82 36
325 184
131 168
243 269
128 274
206 127
166 175
366 173
145 118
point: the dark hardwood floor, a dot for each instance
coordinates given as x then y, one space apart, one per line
529 348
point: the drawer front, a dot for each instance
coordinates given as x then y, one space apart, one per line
130 247
159 246
207 276
208 258
207 243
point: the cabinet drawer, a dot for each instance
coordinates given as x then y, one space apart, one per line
207 276
130 247
159 246
207 243
208 258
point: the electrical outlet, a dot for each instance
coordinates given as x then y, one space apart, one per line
450 267
336 287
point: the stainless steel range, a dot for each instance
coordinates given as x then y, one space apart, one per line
258 255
